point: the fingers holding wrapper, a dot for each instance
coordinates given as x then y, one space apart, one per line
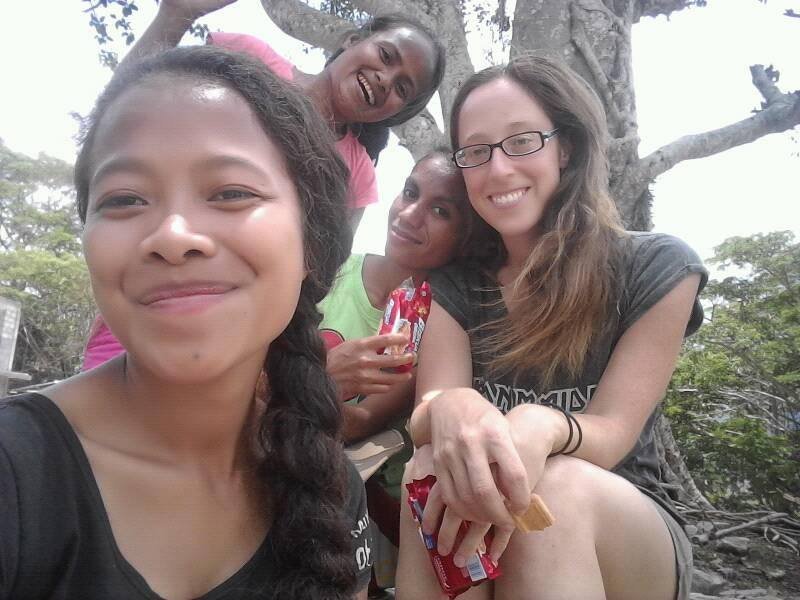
406 312
479 567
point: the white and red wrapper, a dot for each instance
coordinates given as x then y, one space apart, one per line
406 312
452 579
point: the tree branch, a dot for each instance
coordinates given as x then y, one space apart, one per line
601 81
765 84
382 7
780 112
654 8
307 24
614 18
420 135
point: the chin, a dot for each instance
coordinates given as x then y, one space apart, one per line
185 366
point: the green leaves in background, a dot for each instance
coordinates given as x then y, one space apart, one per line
41 264
734 401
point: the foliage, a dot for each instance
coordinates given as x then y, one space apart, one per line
41 264
734 402
118 14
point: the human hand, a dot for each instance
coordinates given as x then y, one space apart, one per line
480 477
420 466
357 368
474 538
191 10
477 466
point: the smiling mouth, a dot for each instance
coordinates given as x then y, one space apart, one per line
507 198
366 89
177 293
405 236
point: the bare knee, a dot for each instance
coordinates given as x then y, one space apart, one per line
569 482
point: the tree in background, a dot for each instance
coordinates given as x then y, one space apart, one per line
593 36
41 264
734 401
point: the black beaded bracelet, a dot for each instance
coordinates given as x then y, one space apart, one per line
571 431
580 435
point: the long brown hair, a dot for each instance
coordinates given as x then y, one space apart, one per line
567 285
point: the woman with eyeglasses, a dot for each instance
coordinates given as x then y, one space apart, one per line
545 357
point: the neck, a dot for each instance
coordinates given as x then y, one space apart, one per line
207 424
318 89
381 275
518 248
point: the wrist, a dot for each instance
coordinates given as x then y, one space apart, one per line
419 425
540 425
173 21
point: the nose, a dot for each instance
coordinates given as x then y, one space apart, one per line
386 79
499 162
175 241
412 214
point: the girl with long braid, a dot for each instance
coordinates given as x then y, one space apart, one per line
206 461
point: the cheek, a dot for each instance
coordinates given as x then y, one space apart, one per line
103 250
473 180
447 241
280 258
394 209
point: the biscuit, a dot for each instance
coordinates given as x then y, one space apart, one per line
536 518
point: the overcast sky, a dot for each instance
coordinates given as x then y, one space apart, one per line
691 75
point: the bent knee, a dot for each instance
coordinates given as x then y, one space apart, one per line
565 478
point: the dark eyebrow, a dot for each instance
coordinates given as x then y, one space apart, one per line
116 165
131 164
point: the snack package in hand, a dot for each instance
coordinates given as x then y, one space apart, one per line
452 579
406 311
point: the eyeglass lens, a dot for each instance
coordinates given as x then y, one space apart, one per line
515 145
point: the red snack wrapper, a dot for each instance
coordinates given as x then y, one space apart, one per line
452 579
406 312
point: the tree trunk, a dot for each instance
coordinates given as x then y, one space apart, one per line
674 473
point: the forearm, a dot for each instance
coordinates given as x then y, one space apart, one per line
602 440
165 32
376 411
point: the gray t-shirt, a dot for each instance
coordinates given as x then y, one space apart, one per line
652 265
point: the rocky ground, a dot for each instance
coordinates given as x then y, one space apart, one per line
750 567
737 567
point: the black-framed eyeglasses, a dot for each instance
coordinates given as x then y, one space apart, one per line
518 144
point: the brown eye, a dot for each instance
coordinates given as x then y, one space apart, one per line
119 201
232 195
402 91
441 211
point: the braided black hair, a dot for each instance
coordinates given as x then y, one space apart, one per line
374 136
304 468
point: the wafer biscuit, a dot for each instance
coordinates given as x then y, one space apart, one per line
536 518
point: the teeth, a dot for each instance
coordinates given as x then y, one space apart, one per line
508 197
367 88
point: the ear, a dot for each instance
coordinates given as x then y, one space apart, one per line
564 151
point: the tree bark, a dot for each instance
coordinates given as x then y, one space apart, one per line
673 468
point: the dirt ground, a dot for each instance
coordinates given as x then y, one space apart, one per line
753 570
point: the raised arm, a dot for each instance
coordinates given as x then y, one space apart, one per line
172 21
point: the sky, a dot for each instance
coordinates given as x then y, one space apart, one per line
691 74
